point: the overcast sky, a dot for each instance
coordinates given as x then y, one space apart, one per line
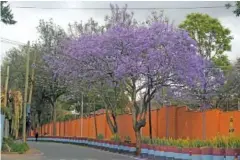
28 19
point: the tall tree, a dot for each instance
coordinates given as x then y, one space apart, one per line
230 93
50 40
130 55
212 38
6 14
212 41
15 58
111 95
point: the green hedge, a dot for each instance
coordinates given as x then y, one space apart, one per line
216 142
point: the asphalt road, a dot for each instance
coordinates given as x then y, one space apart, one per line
57 151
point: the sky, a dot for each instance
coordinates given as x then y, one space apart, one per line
28 18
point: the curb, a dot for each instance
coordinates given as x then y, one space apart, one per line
24 154
123 155
36 154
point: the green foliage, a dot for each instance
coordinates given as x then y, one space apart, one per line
213 41
233 142
216 142
15 58
127 139
6 14
9 140
67 117
145 140
20 147
100 137
219 142
199 143
223 63
47 87
236 10
228 95
212 38
10 146
116 138
7 112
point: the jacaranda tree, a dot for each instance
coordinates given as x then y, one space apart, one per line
133 56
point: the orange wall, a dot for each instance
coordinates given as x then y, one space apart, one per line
175 122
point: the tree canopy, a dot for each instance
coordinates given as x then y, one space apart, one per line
236 7
133 56
6 14
212 38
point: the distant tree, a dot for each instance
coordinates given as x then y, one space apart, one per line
237 8
6 14
53 87
212 41
212 38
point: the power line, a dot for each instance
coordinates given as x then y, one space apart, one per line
5 40
161 8
10 42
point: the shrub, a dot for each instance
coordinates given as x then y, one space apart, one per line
216 142
233 142
127 139
100 137
199 143
10 146
146 140
8 140
219 142
116 138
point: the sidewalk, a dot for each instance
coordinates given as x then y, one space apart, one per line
32 154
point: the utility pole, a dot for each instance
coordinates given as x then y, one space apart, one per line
32 78
6 88
31 87
5 103
82 116
25 94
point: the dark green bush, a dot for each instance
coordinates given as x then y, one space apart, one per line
10 146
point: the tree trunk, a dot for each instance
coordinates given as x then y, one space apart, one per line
150 120
138 142
95 121
113 125
54 120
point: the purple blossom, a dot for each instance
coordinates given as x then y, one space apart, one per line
166 54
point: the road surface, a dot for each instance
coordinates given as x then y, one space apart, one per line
57 151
